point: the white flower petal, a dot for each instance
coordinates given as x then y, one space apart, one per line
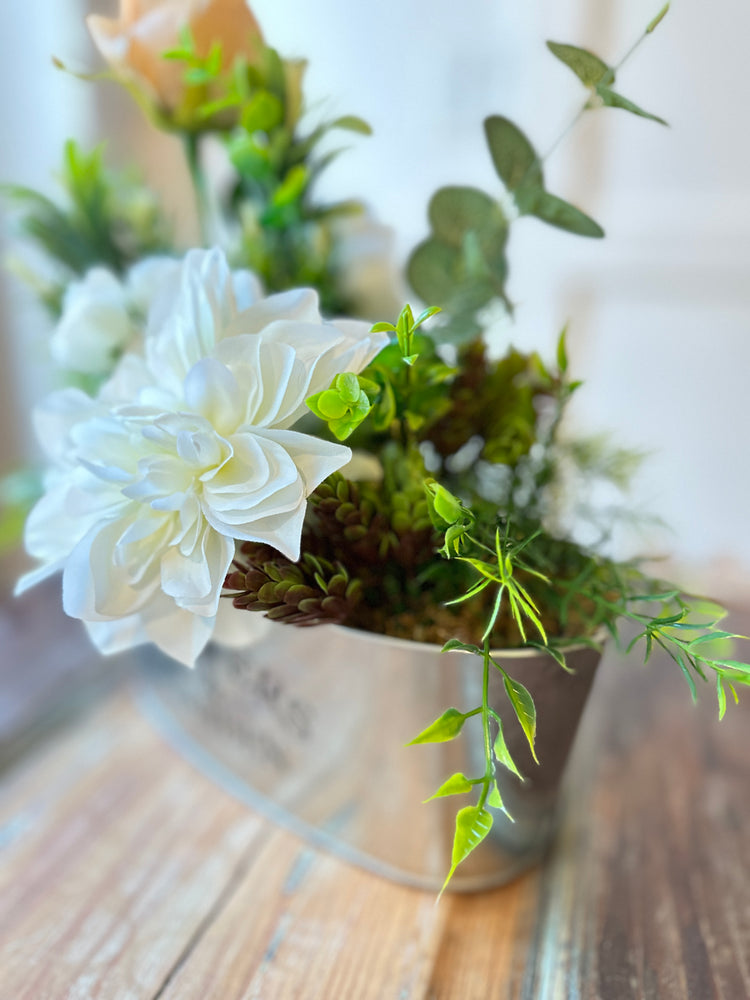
282 531
212 390
195 579
315 458
56 416
248 290
95 324
300 305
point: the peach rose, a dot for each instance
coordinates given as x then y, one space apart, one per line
134 43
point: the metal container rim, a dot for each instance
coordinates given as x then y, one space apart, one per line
506 653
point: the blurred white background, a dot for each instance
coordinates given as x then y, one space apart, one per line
660 311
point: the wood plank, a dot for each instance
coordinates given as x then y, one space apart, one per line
321 930
647 894
113 854
48 668
126 875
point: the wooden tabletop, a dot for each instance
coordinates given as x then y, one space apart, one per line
127 875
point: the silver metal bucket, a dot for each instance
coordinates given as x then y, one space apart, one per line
309 727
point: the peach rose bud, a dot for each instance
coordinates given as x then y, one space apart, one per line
134 43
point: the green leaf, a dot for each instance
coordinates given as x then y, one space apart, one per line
457 784
446 728
455 211
328 405
502 752
347 386
667 595
557 212
721 695
589 69
515 159
738 665
494 799
263 112
447 507
352 123
425 315
472 826
523 706
562 353
557 654
465 647
291 187
711 637
678 658
610 99
653 25
454 537
434 270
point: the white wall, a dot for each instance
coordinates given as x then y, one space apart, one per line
660 311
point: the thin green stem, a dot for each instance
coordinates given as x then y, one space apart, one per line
489 768
198 178
607 79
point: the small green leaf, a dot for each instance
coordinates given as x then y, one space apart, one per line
678 658
352 123
503 753
494 799
447 507
328 404
465 647
610 99
446 728
667 595
456 211
457 784
711 637
653 25
523 706
515 159
721 695
291 187
562 353
454 537
263 112
434 270
383 328
347 386
472 826
589 69
557 212
425 315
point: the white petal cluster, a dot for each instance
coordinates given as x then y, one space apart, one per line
104 316
188 448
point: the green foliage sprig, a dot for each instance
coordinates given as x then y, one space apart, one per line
463 264
286 237
109 219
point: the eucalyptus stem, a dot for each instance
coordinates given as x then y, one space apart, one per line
198 178
606 80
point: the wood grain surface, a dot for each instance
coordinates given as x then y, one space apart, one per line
127 875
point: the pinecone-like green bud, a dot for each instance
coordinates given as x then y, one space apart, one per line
348 522
312 591
354 523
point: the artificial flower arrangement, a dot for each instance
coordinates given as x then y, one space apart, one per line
196 453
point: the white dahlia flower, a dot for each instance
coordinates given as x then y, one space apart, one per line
188 448
104 316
